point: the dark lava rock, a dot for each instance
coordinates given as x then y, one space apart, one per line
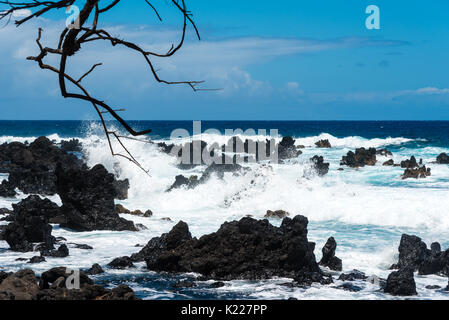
443 158
413 254
433 287
323 144
80 246
30 224
286 149
122 210
31 168
416 173
352 276
218 284
389 163
73 145
329 259
88 200
21 285
121 263
62 252
245 249
121 188
181 181
362 157
36 259
401 283
307 278
50 276
280 214
7 189
95 269
320 166
410 164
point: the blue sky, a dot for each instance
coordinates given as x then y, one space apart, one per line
274 60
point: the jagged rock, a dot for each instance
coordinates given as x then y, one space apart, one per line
401 283
329 259
220 170
181 181
280 214
21 285
417 173
352 276
307 278
323 144
88 200
121 263
287 149
122 210
30 224
61 252
443 158
384 152
414 254
320 167
73 145
31 168
95 269
410 164
36 259
122 292
7 190
362 157
389 163
245 249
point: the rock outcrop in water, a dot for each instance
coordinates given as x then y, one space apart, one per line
72 145
362 157
30 224
31 167
24 285
410 164
320 166
88 200
329 259
443 158
401 283
245 249
416 173
323 144
414 255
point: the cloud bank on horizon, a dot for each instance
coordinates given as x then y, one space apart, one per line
351 74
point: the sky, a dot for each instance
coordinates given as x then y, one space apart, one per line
271 60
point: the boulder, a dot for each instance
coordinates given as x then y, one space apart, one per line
362 157
389 163
88 200
36 259
401 283
21 285
61 252
323 144
443 158
73 145
320 167
121 263
30 224
181 181
95 269
245 249
352 276
416 173
410 164
329 259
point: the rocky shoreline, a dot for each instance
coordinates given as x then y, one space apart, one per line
247 249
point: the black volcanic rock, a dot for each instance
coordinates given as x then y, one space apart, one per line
401 283
329 259
416 173
320 166
414 255
410 164
362 157
323 144
245 249
73 145
443 158
31 167
95 269
121 263
7 189
352 276
88 200
287 149
30 224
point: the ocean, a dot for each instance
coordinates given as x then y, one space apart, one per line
366 210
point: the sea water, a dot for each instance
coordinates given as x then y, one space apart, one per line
366 210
